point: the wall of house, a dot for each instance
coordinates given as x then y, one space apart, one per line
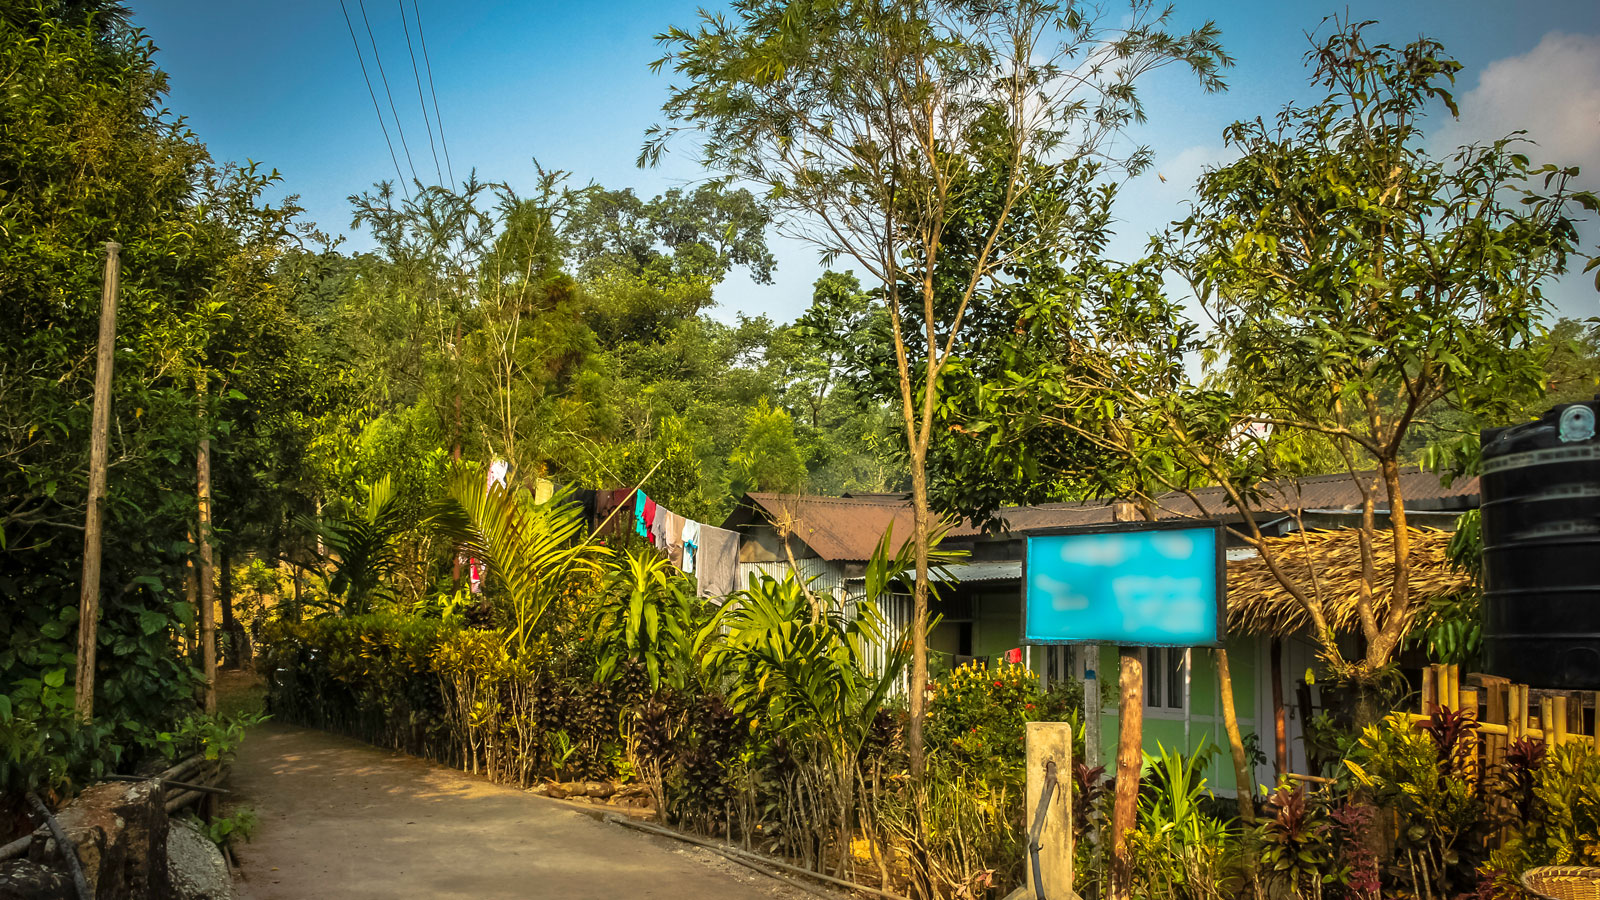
825 576
1200 722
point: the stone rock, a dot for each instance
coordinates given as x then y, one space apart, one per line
555 791
600 789
21 879
195 866
120 832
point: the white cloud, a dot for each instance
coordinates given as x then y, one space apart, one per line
1552 92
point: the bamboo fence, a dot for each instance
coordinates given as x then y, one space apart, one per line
1506 713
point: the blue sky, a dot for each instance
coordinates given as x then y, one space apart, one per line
569 84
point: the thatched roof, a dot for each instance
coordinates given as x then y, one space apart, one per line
1259 604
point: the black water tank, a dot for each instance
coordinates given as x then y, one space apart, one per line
1541 550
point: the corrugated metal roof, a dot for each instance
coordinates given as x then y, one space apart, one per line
848 528
969 573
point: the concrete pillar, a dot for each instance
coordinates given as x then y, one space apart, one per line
1051 742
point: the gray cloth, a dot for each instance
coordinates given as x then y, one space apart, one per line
658 528
716 561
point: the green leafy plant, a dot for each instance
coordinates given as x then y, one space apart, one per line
362 545
1297 840
239 823
649 614
1420 775
1557 822
214 737
1180 850
533 548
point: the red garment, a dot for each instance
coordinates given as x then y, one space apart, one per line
649 514
1014 656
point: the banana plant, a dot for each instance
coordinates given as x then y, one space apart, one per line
533 549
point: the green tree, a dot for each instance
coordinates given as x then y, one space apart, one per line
865 123
1356 283
89 154
767 457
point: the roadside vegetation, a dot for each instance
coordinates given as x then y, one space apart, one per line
1372 303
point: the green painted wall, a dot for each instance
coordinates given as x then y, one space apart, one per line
997 627
1166 728
997 624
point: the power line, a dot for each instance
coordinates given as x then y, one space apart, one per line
417 14
370 93
385 79
420 102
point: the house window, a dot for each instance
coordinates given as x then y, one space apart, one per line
1164 670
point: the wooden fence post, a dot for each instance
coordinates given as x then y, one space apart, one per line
93 527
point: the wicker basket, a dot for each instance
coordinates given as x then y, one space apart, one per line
1564 882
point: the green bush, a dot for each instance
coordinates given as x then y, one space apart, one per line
977 719
1558 819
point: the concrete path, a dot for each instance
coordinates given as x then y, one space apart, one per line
341 819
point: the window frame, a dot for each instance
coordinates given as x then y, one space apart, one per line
1166 671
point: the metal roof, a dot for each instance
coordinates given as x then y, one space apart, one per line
849 528
969 573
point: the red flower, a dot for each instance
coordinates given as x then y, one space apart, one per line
997 684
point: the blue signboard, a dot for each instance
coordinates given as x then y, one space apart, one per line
1160 584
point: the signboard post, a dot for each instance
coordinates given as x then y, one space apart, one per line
1148 584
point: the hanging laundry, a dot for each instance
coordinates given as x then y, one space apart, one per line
658 528
543 490
586 499
498 471
651 510
641 525
716 562
691 544
605 517
1014 656
675 524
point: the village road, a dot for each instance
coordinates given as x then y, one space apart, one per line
342 819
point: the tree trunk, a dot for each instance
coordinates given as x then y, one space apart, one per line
919 617
238 643
230 659
1280 719
99 431
191 593
208 625
1244 784
1130 760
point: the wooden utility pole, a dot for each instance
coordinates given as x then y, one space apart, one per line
1130 749
208 624
93 528
1130 760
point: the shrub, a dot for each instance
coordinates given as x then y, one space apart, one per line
977 719
1443 820
1560 823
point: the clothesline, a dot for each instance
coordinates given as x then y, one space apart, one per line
709 553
